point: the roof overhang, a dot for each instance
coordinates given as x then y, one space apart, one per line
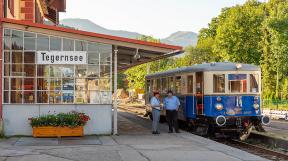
127 48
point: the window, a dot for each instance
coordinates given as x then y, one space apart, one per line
55 43
29 41
178 84
81 46
237 83
17 40
148 86
170 83
68 45
164 85
27 82
154 85
190 84
105 71
93 58
158 84
42 42
254 83
219 83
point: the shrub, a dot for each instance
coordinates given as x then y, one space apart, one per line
71 119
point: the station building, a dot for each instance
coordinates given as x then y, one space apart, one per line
51 69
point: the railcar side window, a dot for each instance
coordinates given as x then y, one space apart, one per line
178 84
237 83
219 83
170 83
254 83
158 85
164 85
190 84
151 85
148 86
154 85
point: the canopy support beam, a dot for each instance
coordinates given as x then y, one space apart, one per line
115 126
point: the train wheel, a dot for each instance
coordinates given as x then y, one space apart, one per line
245 133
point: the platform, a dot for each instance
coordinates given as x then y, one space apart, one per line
276 129
134 143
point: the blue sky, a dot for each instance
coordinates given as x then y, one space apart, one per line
158 18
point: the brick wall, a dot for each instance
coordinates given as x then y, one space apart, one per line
27 10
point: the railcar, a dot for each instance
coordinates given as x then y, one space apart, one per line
221 97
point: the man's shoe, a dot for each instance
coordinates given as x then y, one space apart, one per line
157 132
170 132
154 132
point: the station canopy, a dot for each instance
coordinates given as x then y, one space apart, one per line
131 52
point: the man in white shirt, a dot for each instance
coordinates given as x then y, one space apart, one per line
156 108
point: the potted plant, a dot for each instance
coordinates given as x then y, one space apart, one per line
58 125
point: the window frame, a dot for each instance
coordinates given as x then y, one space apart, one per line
187 84
229 83
102 92
214 87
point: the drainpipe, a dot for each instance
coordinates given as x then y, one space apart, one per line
2 8
115 126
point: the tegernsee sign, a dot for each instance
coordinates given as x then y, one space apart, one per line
61 57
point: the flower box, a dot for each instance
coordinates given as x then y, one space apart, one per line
50 131
59 125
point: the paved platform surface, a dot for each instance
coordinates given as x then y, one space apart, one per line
276 129
135 143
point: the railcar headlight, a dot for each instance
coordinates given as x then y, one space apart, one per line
238 66
256 106
219 106
219 99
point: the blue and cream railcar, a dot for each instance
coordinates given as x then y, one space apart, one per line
214 96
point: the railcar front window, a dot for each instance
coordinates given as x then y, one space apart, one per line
254 83
219 83
237 83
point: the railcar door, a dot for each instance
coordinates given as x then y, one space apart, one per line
199 93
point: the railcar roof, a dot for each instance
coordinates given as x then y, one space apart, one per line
219 66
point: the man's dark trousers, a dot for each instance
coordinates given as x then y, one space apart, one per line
172 118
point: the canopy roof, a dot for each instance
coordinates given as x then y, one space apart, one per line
127 48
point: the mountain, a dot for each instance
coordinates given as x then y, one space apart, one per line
182 38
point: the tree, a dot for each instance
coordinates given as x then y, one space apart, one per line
136 75
274 58
239 33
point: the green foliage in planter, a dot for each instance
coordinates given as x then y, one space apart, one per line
71 119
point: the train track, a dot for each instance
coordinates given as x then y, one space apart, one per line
254 149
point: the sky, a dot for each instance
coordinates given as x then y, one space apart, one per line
158 18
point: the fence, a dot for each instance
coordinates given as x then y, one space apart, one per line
275 104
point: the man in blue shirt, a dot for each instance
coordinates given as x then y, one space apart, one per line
171 104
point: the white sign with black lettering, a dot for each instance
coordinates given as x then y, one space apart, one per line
61 57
